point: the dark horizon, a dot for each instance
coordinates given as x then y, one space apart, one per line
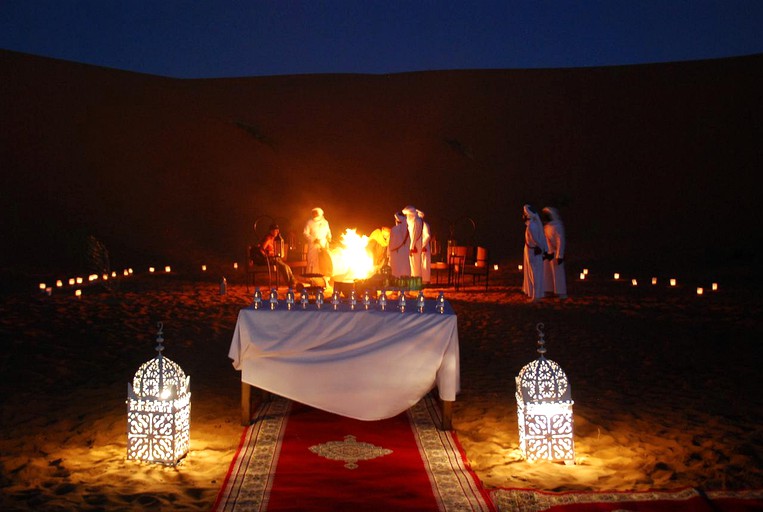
641 160
259 38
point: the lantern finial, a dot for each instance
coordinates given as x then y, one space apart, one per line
541 341
160 337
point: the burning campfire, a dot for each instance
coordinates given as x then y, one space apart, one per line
351 260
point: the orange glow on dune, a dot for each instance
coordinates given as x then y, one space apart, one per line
351 260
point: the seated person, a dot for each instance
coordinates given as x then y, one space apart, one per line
267 253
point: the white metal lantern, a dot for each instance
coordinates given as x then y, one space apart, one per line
544 409
158 410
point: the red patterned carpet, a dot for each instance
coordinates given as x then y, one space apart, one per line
682 500
294 457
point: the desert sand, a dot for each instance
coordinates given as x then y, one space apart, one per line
665 383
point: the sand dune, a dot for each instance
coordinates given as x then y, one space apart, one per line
657 160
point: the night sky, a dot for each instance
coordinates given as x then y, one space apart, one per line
225 38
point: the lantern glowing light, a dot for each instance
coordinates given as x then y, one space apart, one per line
79 280
168 269
125 273
544 410
72 281
59 283
495 267
715 287
634 282
151 269
158 410
78 293
519 267
235 265
203 268
654 280
700 291
43 286
585 271
582 276
617 276
672 282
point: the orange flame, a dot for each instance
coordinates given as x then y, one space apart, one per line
351 260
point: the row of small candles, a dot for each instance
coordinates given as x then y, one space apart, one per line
78 281
673 282
365 301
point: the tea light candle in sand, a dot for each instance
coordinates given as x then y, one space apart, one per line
43 286
235 266
125 273
700 291
78 293
617 276
495 267
585 271
673 282
582 276
203 268
72 281
151 270
59 283
519 267
714 287
168 269
79 280
634 282
654 280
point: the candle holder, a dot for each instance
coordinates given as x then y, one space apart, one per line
158 410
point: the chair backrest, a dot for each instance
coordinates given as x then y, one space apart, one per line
481 259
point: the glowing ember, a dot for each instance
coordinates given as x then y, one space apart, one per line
351 260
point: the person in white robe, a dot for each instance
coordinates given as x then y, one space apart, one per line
415 233
535 249
426 250
399 248
554 278
317 233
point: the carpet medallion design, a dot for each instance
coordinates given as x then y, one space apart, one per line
350 451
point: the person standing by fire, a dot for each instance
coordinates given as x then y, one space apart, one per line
534 253
426 250
415 232
399 248
554 279
318 234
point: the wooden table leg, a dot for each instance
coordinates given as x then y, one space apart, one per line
246 404
447 415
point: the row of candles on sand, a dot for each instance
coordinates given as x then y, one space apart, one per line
81 281
673 282
364 302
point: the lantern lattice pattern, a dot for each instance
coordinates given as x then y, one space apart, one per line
544 410
158 411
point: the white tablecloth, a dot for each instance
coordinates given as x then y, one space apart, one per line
367 365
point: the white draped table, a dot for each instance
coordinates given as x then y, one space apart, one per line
364 364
